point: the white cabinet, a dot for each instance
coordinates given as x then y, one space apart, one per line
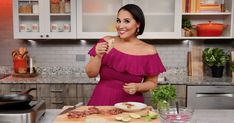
42 19
225 17
162 18
93 19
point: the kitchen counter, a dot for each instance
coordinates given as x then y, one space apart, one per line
73 78
200 116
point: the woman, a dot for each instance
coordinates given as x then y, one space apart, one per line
127 66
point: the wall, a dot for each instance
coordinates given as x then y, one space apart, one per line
74 52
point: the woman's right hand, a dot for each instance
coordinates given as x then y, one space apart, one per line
101 48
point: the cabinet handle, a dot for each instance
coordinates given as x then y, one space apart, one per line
47 36
56 91
15 90
41 36
59 102
214 95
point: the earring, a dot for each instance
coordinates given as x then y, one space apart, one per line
137 31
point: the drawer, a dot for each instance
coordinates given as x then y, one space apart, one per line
57 90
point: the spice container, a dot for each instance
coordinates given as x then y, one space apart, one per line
25 8
62 6
67 6
54 7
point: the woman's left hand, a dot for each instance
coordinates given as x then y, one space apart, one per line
130 88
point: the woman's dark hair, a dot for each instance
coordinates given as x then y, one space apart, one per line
137 14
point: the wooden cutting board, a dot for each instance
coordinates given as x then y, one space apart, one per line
98 118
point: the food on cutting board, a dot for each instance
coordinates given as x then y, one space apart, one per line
134 115
93 110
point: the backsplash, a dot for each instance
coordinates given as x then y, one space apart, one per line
58 56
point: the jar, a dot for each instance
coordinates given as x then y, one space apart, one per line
67 7
20 65
54 8
62 6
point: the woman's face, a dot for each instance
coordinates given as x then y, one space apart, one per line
126 25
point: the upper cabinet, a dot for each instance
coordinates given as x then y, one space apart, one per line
93 19
96 19
44 19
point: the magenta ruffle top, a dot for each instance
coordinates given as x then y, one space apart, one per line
118 68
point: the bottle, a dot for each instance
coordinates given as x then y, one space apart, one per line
62 6
67 6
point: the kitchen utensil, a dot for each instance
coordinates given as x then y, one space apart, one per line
210 29
16 101
71 108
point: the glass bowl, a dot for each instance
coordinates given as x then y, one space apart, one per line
170 115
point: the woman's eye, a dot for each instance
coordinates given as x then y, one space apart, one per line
126 21
118 21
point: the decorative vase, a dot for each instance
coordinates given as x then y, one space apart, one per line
217 71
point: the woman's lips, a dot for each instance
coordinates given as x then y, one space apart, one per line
121 32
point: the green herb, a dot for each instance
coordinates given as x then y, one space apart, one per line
215 57
163 94
186 23
232 66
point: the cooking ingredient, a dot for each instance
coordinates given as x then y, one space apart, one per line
110 44
162 94
126 119
152 114
119 118
134 115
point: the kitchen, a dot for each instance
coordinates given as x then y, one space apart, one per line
61 60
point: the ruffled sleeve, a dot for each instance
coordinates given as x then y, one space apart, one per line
147 65
92 51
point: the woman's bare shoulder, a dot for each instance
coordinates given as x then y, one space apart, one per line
148 48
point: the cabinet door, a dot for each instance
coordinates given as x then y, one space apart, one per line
27 19
60 19
41 19
96 18
162 18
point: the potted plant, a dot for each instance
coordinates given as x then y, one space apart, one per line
215 58
187 28
163 95
232 68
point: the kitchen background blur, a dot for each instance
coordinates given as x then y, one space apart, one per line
73 52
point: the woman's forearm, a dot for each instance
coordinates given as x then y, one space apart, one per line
146 86
93 67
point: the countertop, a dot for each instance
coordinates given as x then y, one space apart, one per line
199 116
73 78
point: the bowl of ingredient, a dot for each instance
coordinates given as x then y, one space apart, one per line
172 115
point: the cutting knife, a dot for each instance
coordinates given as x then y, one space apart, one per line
71 108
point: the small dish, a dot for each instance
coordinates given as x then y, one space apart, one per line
130 106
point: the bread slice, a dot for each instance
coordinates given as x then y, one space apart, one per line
110 44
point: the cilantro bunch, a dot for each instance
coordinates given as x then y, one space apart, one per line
163 94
